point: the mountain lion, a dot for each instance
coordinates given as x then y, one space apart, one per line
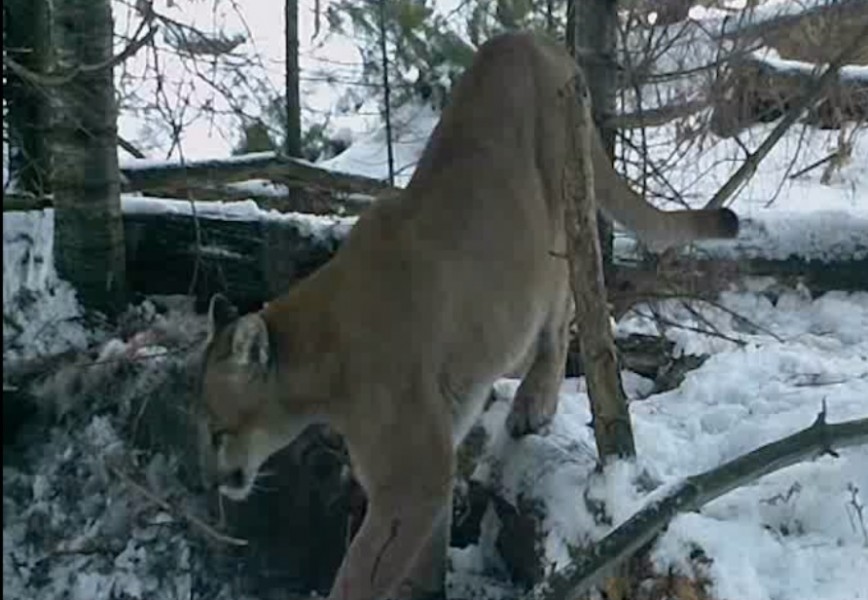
437 291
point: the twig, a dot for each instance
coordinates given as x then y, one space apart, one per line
749 167
691 494
656 316
64 78
129 147
736 315
42 364
196 522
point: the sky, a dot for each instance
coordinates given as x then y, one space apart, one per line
323 55
263 22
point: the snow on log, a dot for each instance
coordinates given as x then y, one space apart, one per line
253 255
150 175
236 248
763 87
821 250
272 180
774 16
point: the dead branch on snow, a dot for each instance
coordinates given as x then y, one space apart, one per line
693 493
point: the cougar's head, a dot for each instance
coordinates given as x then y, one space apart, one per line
244 420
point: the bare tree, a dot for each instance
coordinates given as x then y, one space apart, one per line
89 243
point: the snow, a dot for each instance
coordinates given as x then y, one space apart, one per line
318 226
72 530
260 187
795 532
41 314
133 164
367 156
822 235
790 535
724 22
780 215
771 58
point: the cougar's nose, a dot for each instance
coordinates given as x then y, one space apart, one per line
233 478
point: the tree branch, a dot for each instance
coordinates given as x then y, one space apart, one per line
654 117
691 494
54 80
749 167
185 515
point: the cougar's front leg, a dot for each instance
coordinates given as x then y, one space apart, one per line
536 399
408 484
427 577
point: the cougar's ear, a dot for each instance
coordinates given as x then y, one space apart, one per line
220 314
250 341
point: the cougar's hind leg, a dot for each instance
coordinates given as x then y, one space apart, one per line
537 397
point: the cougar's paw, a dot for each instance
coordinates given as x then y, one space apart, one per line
428 595
529 414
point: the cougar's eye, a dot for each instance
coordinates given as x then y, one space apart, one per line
217 437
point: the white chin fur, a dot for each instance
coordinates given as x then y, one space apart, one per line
235 494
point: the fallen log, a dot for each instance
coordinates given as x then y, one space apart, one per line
768 21
150 176
760 90
237 249
252 255
271 180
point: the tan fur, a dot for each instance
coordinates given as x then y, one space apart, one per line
435 294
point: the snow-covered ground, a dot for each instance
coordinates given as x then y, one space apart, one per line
794 534
72 529
798 533
40 311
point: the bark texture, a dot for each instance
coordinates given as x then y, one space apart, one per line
25 40
89 243
592 28
293 105
612 429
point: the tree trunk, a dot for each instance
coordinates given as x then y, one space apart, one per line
89 241
293 105
26 40
592 27
613 432
387 101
